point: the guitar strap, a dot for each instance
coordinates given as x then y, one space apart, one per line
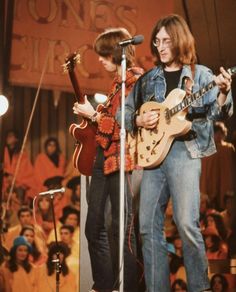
190 82
107 103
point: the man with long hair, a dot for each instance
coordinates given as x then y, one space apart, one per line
177 176
105 176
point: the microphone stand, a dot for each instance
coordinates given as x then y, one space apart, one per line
57 260
122 173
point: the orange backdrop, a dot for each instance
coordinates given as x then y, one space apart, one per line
58 28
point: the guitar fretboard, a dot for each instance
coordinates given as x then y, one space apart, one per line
188 100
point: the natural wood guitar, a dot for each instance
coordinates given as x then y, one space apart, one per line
150 147
84 132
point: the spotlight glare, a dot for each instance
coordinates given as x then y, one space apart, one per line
100 98
4 104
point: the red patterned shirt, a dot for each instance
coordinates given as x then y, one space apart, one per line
108 133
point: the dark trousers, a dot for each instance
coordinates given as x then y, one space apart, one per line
104 249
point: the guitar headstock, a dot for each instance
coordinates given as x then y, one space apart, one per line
71 61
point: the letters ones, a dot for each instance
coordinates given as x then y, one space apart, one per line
59 26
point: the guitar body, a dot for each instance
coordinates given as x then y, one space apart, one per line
153 145
150 147
84 132
85 150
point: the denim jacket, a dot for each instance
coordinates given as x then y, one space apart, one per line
152 86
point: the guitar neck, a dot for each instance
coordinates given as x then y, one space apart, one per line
190 99
78 94
187 101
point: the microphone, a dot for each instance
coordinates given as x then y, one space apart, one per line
136 40
51 192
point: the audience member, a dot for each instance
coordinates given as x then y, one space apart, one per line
219 283
179 286
214 223
216 249
70 216
38 255
24 179
44 214
15 203
47 273
205 207
25 217
74 185
60 200
49 163
228 212
17 274
176 257
66 235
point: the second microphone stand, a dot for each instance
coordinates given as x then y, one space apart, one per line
57 260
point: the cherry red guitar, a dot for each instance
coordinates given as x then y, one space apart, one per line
84 132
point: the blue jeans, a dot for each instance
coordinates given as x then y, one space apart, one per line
177 177
104 248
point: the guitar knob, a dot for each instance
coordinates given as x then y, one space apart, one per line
147 160
148 148
141 156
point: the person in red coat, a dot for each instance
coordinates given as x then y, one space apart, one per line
49 163
25 181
